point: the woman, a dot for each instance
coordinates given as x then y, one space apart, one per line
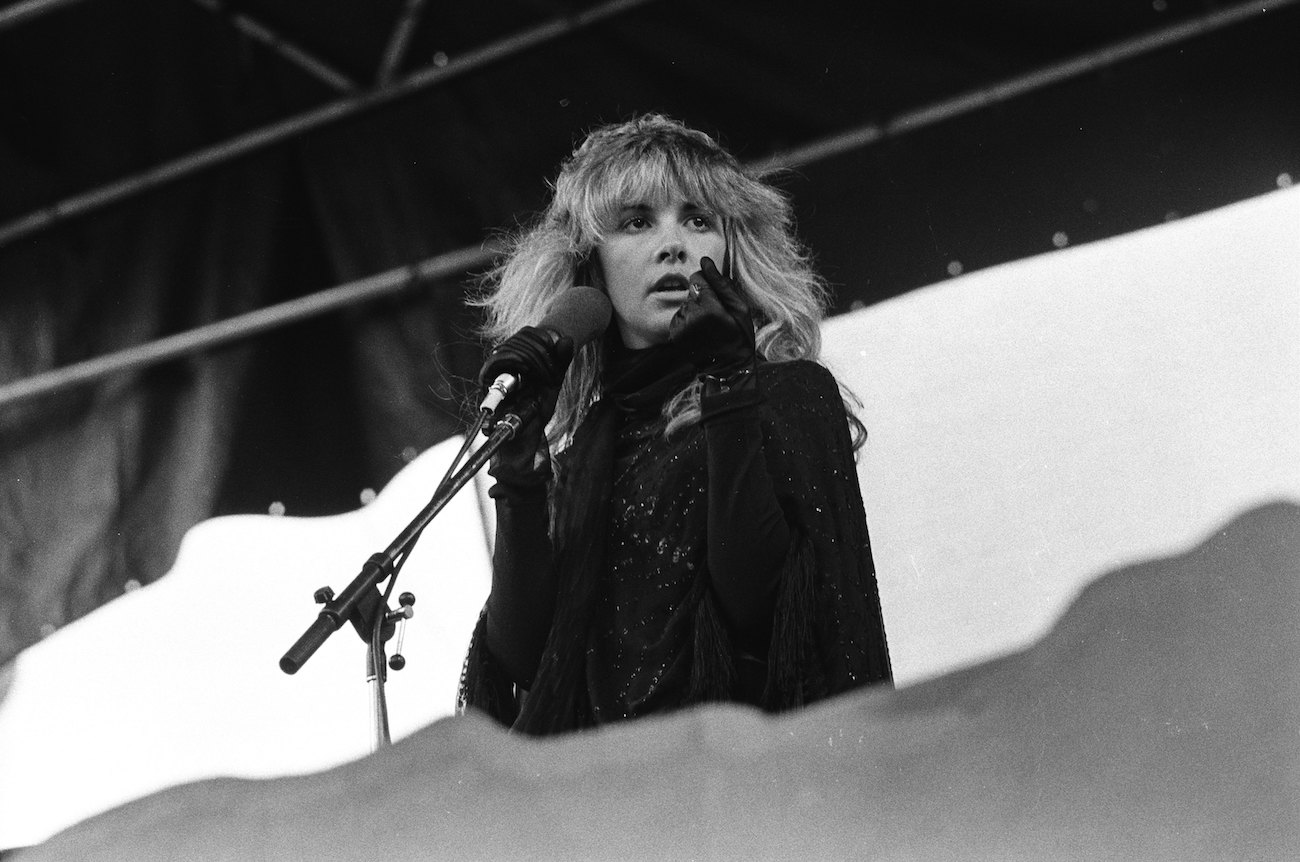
688 527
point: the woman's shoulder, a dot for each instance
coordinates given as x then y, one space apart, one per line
806 418
801 387
796 375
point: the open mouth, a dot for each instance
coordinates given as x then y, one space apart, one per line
671 283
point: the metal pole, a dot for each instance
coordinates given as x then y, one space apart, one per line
329 114
313 65
399 40
1004 91
12 16
246 325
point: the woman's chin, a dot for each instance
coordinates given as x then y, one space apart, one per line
649 332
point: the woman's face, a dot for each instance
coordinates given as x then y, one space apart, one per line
646 261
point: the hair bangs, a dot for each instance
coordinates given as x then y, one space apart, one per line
618 177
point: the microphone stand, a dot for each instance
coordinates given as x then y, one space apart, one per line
361 603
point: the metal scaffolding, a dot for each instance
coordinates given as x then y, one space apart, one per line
457 262
317 118
259 32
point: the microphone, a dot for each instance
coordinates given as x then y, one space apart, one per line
581 313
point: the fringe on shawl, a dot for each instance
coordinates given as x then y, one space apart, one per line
484 684
794 673
795 676
713 673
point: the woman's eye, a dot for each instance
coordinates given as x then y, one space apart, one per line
635 223
701 222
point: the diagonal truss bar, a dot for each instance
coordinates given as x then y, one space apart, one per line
313 65
946 109
400 39
18 13
457 262
326 115
452 264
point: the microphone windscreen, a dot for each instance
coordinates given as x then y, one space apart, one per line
582 313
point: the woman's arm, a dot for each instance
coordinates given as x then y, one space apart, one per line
517 617
522 601
747 531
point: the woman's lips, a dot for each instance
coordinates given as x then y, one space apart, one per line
671 283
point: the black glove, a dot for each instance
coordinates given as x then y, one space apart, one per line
716 328
538 357
540 360
714 324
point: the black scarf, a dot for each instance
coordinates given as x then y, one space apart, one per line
639 382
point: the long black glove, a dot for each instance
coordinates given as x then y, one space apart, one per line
519 608
748 532
540 361
716 328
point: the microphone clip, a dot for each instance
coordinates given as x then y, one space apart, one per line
500 389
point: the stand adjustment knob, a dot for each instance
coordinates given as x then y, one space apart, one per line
401 615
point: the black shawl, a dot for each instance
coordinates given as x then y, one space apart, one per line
827 633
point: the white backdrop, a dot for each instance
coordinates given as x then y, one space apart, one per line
1032 426
1036 424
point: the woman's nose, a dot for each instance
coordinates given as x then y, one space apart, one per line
673 250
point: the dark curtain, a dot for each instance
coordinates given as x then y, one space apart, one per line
101 483
98 484
404 186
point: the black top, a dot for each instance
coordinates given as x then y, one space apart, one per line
670 496
734 564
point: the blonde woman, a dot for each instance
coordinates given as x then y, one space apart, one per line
683 521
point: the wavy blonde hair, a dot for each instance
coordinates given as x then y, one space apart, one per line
643 160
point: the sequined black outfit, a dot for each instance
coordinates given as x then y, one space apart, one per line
728 561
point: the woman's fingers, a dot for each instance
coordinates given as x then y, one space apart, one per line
725 289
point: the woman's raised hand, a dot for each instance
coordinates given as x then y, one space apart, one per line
714 325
